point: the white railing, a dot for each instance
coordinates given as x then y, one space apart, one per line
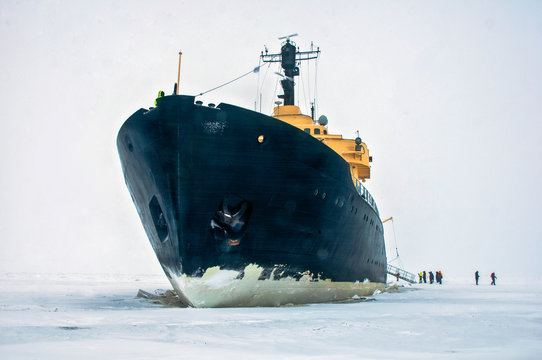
364 193
401 274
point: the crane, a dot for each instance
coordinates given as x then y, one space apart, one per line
394 270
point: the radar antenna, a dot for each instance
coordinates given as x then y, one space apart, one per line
287 37
284 76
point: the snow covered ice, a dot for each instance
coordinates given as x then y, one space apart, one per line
44 316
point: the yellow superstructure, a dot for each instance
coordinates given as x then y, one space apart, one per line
356 155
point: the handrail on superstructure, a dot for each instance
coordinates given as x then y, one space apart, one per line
364 193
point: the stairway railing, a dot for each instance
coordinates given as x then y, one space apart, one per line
401 274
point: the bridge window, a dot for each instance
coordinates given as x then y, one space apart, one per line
325 132
307 130
316 131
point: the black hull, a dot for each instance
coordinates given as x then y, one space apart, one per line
210 194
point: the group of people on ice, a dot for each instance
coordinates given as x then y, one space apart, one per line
493 277
437 277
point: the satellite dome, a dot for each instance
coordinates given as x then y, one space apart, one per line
322 120
358 141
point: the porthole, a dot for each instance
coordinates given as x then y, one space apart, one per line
336 201
261 139
129 144
315 192
324 196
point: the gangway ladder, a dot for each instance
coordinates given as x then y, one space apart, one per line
401 274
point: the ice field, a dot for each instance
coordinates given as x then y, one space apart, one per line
44 316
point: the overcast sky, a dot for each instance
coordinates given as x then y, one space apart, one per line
447 96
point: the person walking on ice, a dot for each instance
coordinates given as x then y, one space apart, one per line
493 278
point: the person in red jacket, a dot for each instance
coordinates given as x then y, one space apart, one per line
493 278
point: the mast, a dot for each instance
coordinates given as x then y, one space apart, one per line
289 57
178 75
